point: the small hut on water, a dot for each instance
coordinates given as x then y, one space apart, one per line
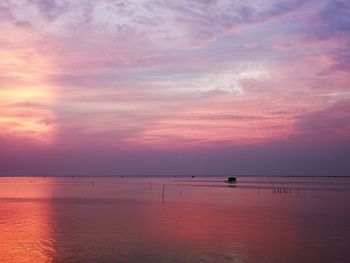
231 179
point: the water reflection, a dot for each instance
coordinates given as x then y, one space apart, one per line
26 225
126 220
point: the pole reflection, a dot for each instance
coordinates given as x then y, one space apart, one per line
110 220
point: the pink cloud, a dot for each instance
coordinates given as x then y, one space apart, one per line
116 76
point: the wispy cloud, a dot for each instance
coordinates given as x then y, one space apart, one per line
163 74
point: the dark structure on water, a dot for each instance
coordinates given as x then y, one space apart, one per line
231 179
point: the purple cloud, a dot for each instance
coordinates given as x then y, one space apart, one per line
51 9
332 24
341 57
331 123
335 19
222 84
208 20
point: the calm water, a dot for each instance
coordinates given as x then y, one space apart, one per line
267 219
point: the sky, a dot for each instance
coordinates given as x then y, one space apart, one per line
162 87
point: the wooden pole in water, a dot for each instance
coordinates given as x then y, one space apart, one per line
163 192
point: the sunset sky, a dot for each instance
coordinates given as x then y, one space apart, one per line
110 87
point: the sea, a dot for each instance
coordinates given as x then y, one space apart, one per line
174 219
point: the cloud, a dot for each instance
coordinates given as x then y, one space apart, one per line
5 11
51 9
341 58
330 123
120 74
330 25
335 19
208 20
280 8
8 15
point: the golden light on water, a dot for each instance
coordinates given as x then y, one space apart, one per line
28 236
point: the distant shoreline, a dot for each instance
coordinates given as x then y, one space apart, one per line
180 176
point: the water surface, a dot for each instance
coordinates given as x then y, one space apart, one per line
201 219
